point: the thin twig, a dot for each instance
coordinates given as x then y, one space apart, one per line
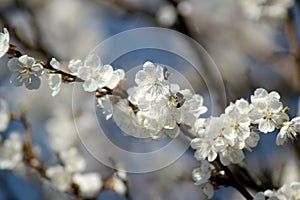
234 182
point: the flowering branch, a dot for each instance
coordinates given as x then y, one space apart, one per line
152 109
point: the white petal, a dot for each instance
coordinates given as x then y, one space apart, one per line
84 73
115 79
54 63
106 73
4 42
32 83
92 61
54 83
15 65
16 79
89 184
282 136
26 60
37 69
74 65
266 126
90 85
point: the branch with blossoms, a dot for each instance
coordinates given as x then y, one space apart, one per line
152 109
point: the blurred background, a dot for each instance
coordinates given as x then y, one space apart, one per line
254 43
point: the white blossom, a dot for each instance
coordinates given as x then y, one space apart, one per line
231 154
151 83
94 74
11 152
105 104
289 191
290 129
236 126
208 190
209 141
54 80
4 42
25 70
117 76
4 115
267 110
185 104
118 185
202 174
128 121
226 135
89 183
60 178
72 160
251 141
75 65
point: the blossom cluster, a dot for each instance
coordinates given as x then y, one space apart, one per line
155 107
286 192
152 109
26 70
201 176
227 135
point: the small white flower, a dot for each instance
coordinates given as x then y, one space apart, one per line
89 183
231 155
105 104
4 115
236 126
151 82
54 81
289 191
251 141
73 162
290 130
11 152
209 140
60 178
208 190
267 110
117 76
74 65
202 174
25 70
129 122
185 104
118 185
4 42
94 74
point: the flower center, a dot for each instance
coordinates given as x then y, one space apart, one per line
268 114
